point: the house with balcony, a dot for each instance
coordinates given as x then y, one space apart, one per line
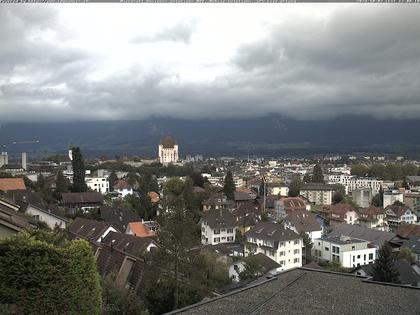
340 213
399 214
277 242
373 218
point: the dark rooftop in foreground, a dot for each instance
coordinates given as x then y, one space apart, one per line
309 291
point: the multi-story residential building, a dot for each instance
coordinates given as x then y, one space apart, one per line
352 183
217 201
168 151
218 226
362 197
340 213
238 181
318 193
302 221
99 184
391 196
397 215
281 244
373 218
348 252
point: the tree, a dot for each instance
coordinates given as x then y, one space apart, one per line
359 170
317 176
384 269
339 194
79 171
111 180
197 179
378 199
307 243
407 254
61 185
377 170
48 278
251 269
229 187
294 187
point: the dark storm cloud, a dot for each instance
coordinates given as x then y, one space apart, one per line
359 60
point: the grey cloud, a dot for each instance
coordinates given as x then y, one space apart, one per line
180 32
359 61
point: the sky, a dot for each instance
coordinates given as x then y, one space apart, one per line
133 61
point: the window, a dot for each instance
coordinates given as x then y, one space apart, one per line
371 256
297 242
230 238
216 232
296 251
296 260
336 249
216 239
327 249
230 230
354 259
353 247
281 244
282 253
358 256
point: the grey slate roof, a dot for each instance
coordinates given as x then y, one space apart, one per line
131 244
272 231
219 219
119 217
308 291
375 237
413 244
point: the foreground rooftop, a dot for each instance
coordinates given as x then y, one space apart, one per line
309 291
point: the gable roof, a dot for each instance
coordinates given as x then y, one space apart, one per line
7 184
369 213
272 231
262 260
397 210
303 220
84 197
376 237
87 229
14 220
413 243
219 218
119 217
131 244
407 230
339 294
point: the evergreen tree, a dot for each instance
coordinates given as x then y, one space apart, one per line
79 171
112 179
229 187
317 176
61 183
294 187
41 184
307 243
384 269
378 199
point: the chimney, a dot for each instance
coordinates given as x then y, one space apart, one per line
24 160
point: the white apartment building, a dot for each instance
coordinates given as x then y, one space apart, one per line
218 226
168 151
351 182
238 181
391 197
282 245
348 252
99 184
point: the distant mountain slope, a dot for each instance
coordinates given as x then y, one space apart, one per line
268 135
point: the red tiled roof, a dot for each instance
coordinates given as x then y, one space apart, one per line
140 230
122 184
12 184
